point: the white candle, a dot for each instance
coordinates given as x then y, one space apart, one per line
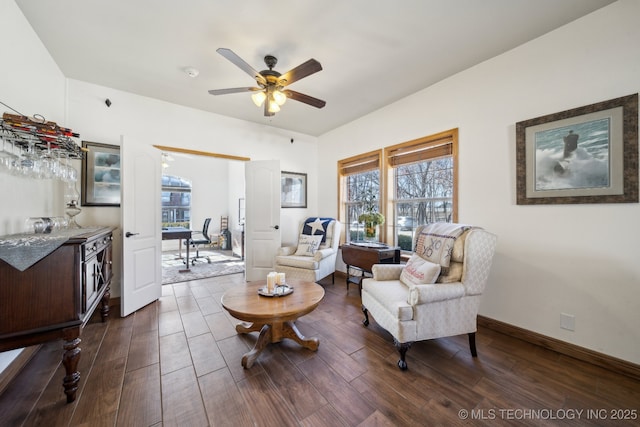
281 279
271 281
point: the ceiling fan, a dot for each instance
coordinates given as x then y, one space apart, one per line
271 83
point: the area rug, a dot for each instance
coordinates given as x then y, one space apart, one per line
221 265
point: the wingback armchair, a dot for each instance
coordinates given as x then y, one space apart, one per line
437 293
314 257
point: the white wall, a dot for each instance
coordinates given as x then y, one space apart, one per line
577 259
156 122
31 83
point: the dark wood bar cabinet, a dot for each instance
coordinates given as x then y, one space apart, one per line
55 297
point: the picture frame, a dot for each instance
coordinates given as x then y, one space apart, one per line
100 174
583 155
293 190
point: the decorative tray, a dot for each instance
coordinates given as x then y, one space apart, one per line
278 291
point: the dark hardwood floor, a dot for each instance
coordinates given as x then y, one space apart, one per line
177 362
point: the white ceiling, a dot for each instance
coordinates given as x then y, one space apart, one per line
373 52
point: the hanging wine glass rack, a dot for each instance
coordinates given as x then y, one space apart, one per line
39 135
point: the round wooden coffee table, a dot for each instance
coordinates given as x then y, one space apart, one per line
272 316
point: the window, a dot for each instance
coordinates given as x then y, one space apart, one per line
359 178
423 176
176 201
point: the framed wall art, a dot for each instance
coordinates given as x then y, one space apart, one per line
294 190
100 174
584 155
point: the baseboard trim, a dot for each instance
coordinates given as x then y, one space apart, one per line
599 359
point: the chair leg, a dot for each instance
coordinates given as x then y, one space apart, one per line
402 349
472 344
365 322
333 278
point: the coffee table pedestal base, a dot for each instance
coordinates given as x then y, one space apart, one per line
272 333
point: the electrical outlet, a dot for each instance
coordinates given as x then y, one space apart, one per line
568 321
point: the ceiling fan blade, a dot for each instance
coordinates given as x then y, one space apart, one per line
314 102
233 90
299 72
240 63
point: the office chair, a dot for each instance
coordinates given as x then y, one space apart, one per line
200 238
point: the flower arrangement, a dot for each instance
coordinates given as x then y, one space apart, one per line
371 217
375 218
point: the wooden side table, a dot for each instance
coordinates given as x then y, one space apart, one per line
362 257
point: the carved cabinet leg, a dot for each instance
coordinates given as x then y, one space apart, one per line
104 303
70 360
402 349
365 322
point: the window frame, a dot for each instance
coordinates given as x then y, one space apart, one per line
386 159
432 147
360 163
176 189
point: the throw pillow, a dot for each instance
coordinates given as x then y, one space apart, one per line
419 271
316 226
436 241
308 245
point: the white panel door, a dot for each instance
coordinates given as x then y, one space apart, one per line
262 227
141 225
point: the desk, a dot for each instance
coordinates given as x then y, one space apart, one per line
362 257
173 233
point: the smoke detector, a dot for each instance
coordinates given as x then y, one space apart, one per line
191 71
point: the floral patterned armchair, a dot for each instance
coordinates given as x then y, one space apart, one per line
437 293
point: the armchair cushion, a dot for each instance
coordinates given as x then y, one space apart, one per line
287 250
308 245
297 261
422 294
383 272
454 274
392 295
419 271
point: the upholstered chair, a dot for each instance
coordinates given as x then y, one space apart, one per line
437 293
314 256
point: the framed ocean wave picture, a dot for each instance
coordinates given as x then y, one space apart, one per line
584 155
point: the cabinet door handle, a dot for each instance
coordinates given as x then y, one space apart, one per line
129 234
277 227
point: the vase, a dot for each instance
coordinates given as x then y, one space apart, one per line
370 231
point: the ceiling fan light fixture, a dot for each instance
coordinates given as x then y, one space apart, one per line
271 83
279 97
258 98
273 106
